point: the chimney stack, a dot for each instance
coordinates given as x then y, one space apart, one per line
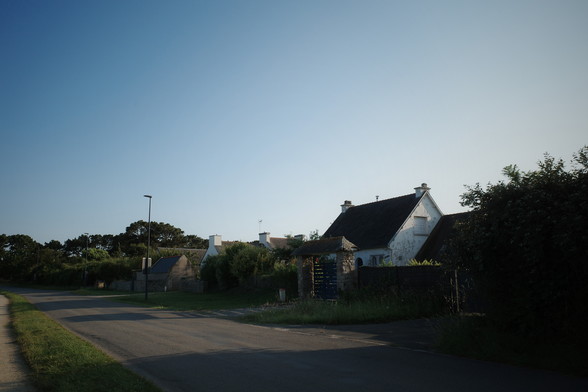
420 190
345 206
215 240
264 239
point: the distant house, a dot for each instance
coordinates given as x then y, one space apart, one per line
272 243
387 231
167 273
194 255
216 246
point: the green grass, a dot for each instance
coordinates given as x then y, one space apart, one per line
354 311
176 300
98 292
473 336
61 361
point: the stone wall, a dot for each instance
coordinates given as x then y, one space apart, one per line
346 272
193 285
121 285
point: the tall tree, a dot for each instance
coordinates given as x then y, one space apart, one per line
20 254
525 244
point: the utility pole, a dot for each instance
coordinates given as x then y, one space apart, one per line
148 248
86 264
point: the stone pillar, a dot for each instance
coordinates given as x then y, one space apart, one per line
345 271
305 277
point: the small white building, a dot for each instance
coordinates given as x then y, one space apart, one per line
387 231
216 245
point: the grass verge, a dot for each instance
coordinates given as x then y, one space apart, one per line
176 300
61 361
351 311
473 336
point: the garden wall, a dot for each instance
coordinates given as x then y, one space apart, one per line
417 278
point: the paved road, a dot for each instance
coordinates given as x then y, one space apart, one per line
183 351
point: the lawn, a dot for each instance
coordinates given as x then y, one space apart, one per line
61 361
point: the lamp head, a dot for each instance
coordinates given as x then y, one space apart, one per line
149 196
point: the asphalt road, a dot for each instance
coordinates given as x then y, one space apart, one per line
184 351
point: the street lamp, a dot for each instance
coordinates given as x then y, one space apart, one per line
148 246
86 263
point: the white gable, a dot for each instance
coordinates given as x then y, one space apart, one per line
415 231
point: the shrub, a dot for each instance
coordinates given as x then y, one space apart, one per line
416 263
524 243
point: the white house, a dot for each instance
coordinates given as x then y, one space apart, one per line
216 245
387 231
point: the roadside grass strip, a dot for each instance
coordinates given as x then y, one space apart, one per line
61 361
176 300
358 311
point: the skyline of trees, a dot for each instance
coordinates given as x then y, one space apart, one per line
22 258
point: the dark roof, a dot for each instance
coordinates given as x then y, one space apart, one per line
198 254
374 224
324 246
224 245
279 242
437 243
164 265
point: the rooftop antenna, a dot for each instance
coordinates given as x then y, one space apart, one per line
261 220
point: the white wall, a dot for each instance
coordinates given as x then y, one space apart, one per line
213 241
407 242
264 239
382 254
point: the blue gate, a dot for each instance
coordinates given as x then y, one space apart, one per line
325 279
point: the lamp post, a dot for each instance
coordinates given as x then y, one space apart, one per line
148 246
86 263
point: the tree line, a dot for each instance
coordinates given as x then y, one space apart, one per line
89 256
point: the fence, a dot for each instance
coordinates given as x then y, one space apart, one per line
457 287
418 278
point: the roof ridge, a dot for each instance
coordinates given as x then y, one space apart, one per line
384 200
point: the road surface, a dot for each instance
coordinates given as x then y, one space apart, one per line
187 351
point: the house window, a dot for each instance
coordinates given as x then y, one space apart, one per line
420 225
376 260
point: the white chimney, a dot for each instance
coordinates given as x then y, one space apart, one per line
420 190
345 206
264 239
215 240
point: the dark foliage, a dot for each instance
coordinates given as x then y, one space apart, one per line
525 244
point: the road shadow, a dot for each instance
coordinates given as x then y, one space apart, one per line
372 368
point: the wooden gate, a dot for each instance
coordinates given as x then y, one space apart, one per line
325 279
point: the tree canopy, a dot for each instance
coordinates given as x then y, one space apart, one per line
24 259
525 244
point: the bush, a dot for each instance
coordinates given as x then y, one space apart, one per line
242 264
217 272
285 276
524 243
251 261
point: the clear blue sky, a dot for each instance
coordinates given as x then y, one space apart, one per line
229 112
